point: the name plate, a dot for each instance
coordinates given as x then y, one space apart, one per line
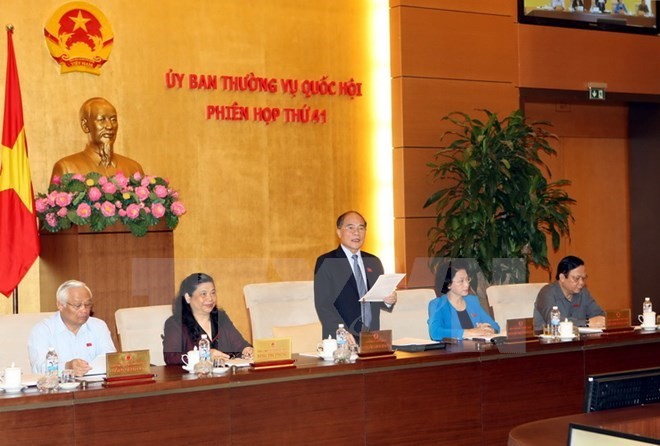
375 341
617 319
520 329
127 364
273 349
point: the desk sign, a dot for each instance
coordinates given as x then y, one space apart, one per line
520 329
376 341
274 349
617 319
131 363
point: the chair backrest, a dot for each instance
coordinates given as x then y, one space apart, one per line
280 304
512 301
14 333
141 328
409 317
304 338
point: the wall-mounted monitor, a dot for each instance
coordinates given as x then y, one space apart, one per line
579 435
591 14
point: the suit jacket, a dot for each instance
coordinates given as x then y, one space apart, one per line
336 293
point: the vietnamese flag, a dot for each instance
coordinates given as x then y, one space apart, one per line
19 236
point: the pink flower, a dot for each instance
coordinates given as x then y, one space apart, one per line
121 180
103 180
145 181
133 211
147 209
51 198
108 209
94 193
78 176
51 220
56 180
177 208
97 205
109 187
118 204
41 204
62 212
142 193
158 210
137 176
63 199
84 210
122 213
160 191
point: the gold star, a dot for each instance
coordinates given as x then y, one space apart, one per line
15 170
80 21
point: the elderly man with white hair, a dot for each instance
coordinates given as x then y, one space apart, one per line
77 337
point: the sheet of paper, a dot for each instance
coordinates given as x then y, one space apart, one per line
98 366
238 362
589 330
384 286
413 341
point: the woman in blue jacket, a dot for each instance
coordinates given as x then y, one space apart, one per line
457 313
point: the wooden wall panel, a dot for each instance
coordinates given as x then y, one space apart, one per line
455 45
505 7
413 183
411 250
577 57
593 155
424 102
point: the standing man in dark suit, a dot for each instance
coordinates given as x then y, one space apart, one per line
336 289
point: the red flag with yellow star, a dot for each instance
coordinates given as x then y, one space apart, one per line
19 236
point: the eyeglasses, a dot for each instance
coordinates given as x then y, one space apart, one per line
578 279
79 307
352 228
462 281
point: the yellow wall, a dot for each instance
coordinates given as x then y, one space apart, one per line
261 199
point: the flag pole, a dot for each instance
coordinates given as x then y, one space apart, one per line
15 301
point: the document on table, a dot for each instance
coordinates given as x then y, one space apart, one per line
98 366
384 286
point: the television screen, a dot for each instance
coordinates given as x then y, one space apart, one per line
633 16
579 435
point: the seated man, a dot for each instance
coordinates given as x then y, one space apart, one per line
571 297
77 337
557 5
642 8
98 118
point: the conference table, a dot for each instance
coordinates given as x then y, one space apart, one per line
471 393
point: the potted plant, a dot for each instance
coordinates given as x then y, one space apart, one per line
496 202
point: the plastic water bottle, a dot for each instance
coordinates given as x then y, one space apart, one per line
52 368
647 307
342 337
555 319
205 348
343 352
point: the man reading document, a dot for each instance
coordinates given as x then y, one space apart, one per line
343 276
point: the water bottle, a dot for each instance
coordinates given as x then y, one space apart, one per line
52 369
204 366
205 348
342 337
555 319
647 307
343 352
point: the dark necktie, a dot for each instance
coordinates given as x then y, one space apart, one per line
362 290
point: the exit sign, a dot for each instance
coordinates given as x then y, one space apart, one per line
597 93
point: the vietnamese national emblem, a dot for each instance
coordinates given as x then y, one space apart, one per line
79 38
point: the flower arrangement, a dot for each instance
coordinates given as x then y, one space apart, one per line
138 201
